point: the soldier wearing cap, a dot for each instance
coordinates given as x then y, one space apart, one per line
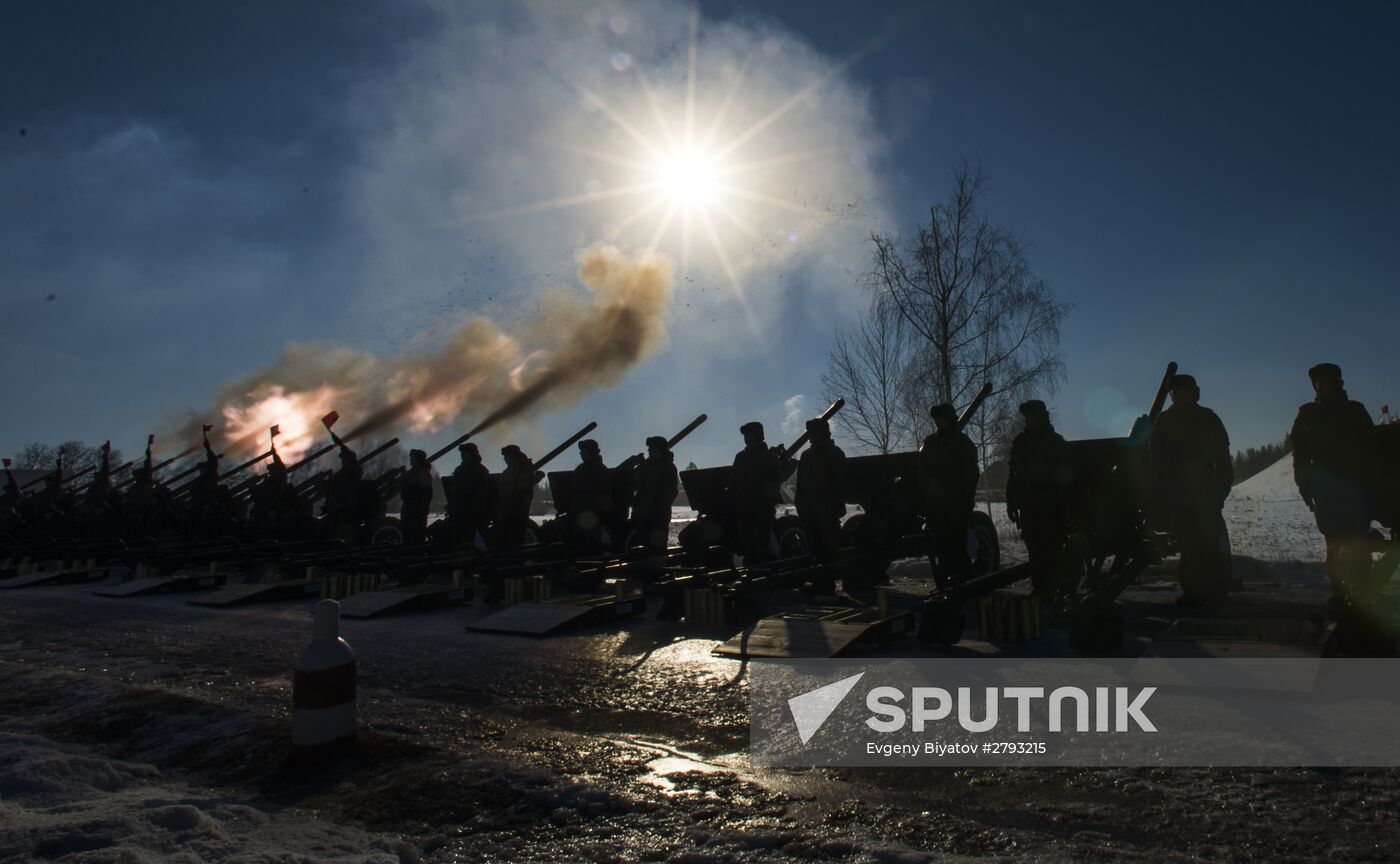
516 491
1189 454
1332 460
755 491
470 497
657 485
415 498
821 490
590 512
342 507
948 475
1037 498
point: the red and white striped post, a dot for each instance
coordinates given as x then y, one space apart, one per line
323 685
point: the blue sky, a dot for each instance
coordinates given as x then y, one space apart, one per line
200 184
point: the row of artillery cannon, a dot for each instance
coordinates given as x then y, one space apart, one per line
1113 533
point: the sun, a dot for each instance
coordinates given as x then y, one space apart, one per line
689 177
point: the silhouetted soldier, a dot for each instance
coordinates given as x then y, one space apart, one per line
1332 464
469 497
342 507
1189 452
516 490
657 485
948 475
821 490
1037 497
592 505
100 506
212 510
273 500
416 497
755 491
10 501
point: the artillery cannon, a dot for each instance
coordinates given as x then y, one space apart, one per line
622 481
1110 532
708 491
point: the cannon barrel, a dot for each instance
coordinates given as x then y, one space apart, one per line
451 445
573 439
154 468
802 439
111 473
310 457
636 459
966 416
66 480
1162 390
83 473
187 472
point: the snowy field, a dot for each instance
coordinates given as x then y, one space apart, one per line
149 730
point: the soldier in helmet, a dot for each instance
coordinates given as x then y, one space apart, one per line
657 485
1189 453
516 491
948 474
755 492
415 498
470 502
590 512
1332 459
1037 496
821 490
342 507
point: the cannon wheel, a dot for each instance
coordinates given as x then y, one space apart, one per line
386 532
792 540
983 547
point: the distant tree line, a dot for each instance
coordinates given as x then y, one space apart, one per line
77 456
1255 459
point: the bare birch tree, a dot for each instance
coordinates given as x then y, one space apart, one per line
970 310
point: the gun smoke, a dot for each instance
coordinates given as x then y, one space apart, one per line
576 344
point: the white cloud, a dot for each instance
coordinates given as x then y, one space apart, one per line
795 416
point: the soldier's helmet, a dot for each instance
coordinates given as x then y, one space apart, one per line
469 451
752 427
656 442
1325 372
588 445
511 451
943 409
1185 381
818 426
1034 408
416 456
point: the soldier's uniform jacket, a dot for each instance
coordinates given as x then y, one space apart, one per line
416 493
1038 478
756 479
470 492
517 490
821 481
592 487
657 485
344 492
1332 442
948 473
1190 455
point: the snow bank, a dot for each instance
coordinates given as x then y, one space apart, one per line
61 803
1268 521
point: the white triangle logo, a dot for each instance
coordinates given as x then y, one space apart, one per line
811 709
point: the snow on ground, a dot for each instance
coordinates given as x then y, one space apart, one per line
60 802
1268 521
